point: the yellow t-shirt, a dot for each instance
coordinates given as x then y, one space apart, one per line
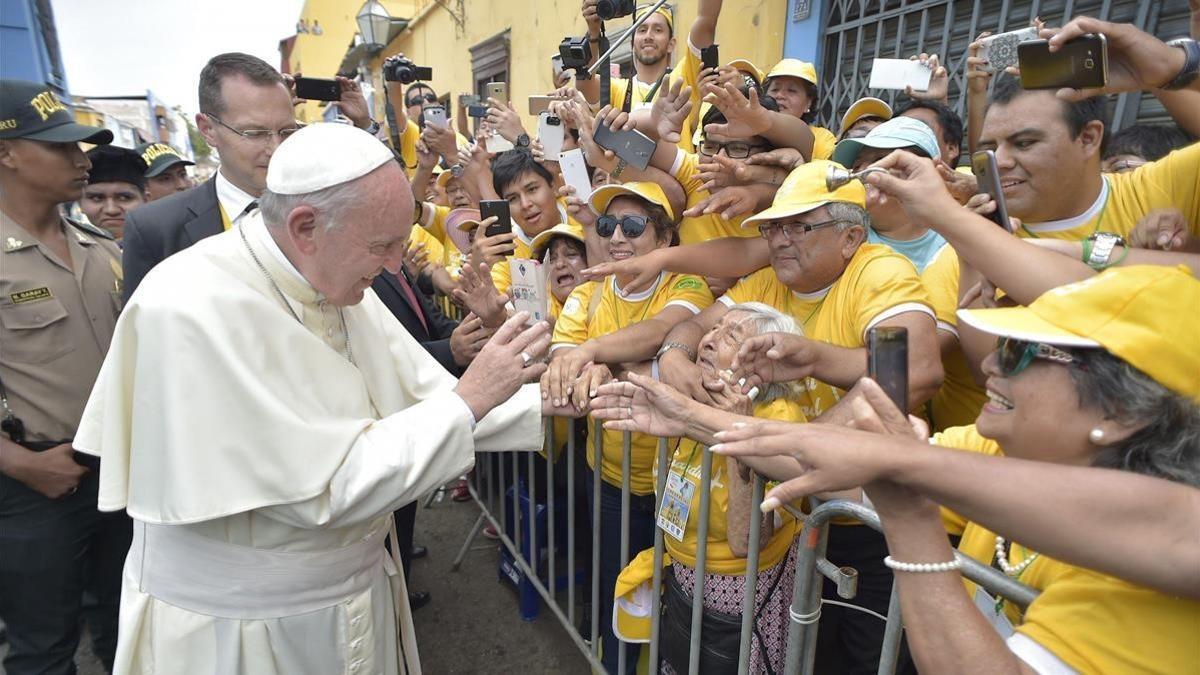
721 559
434 221
582 295
408 146
823 142
876 285
1126 197
1093 622
693 230
959 399
614 311
433 247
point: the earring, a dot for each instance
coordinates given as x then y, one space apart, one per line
1097 435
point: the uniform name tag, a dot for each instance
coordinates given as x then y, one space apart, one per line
31 295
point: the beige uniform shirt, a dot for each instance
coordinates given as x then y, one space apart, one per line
55 325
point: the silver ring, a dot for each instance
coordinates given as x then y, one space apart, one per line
526 358
73 490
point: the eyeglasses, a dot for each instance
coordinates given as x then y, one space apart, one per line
793 230
632 226
258 135
733 149
1013 356
418 99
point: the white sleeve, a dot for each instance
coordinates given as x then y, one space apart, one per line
1037 657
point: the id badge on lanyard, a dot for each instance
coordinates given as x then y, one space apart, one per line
994 613
676 503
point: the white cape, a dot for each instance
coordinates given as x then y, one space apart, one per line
215 411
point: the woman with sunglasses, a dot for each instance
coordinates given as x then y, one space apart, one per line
621 323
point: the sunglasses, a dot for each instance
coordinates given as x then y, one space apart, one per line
1014 355
427 98
632 226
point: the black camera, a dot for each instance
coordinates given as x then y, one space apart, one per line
611 9
576 53
404 71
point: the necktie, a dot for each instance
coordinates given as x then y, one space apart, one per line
411 297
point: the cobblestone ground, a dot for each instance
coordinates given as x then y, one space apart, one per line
472 625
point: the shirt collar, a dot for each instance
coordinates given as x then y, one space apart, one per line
1074 221
232 198
293 283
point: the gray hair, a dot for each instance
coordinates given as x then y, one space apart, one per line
848 214
766 319
326 202
1167 444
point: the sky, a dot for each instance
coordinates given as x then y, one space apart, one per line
124 47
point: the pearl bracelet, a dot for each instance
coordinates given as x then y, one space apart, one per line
922 567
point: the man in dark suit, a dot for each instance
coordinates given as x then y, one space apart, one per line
453 345
245 111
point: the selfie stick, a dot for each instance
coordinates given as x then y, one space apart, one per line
602 62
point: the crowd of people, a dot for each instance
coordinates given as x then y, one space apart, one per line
221 401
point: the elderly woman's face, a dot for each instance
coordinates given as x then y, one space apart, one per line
1036 414
721 343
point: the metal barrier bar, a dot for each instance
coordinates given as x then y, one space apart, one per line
701 561
664 461
597 455
516 502
550 523
535 556
889 657
571 522
752 554
626 466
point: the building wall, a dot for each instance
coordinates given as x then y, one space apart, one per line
29 44
748 28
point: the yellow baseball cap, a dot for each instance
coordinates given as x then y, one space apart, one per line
865 107
804 190
664 10
1133 312
795 68
444 177
746 66
650 192
542 240
463 220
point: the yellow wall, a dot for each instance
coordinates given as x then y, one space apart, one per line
748 28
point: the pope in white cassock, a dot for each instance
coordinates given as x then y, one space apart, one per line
261 414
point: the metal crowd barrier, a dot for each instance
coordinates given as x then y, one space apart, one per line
511 505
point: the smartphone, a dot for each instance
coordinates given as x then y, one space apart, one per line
316 89
709 57
529 288
887 362
498 91
497 143
1081 63
551 134
498 208
987 176
632 146
435 115
1000 51
899 74
467 100
479 111
574 171
540 104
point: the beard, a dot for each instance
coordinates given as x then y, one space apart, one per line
649 59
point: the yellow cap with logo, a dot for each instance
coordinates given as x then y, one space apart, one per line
795 68
650 192
804 190
1133 312
543 239
665 11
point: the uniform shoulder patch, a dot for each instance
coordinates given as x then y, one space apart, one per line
688 284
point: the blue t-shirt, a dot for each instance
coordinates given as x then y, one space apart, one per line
920 251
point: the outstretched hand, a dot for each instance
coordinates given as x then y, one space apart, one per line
643 405
774 357
514 356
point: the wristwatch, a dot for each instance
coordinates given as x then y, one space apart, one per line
1101 249
373 128
523 140
1191 65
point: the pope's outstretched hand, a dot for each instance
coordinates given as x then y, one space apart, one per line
511 358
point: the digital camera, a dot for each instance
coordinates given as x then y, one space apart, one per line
405 71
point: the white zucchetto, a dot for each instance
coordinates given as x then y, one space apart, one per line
323 155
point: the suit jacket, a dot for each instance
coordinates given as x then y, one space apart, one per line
436 340
165 227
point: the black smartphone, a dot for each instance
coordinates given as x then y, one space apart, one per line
316 89
709 57
987 177
632 146
887 362
1081 63
498 208
479 111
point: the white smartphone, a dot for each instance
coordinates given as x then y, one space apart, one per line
529 289
497 143
1000 51
574 171
551 134
899 74
435 115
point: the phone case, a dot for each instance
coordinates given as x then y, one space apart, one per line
574 171
529 288
551 135
899 74
632 146
1000 51
987 178
498 143
498 91
435 115
1081 63
498 208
